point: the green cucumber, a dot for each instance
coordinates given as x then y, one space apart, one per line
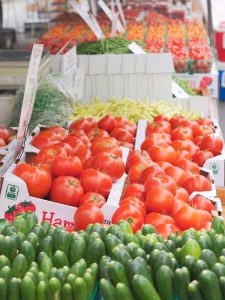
143 288
80 289
123 292
210 286
42 290
107 290
164 283
28 289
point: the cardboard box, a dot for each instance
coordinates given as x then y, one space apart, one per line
13 190
127 75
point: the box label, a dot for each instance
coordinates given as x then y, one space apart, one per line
12 192
214 167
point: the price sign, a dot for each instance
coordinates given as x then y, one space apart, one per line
135 48
79 84
69 62
118 3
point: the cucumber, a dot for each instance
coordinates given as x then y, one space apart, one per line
210 286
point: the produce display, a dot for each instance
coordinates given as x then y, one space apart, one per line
133 110
184 85
185 39
39 261
6 135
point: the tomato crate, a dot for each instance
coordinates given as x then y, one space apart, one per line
200 66
181 65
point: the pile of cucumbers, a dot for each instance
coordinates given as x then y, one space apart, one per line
38 261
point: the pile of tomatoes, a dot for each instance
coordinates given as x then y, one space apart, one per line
165 172
5 136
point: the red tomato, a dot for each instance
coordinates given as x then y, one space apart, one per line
179 175
136 190
182 133
186 218
162 181
203 130
136 202
175 121
2 143
43 140
79 148
166 229
108 163
155 139
12 212
38 181
201 156
107 144
178 145
97 132
156 219
213 144
96 182
66 190
122 134
83 137
162 152
197 183
131 214
151 172
204 216
86 214
69 165
43 166
177 205
206 225
182 195
59 130
184 154
127 145
26 206
205 121
128 127
188 123
201 202
4 134
161 126
67 147
187 165
85 124
198 140
136 157
135 172
121 121
159 200
93 198
160 118
163 165
107 123
50 153
88 163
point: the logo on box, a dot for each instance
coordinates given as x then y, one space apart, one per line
12 192
215 168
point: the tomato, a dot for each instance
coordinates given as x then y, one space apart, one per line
107 123
177 174
129 213
122 134
182 195
136 202
79 148
213 144
86 214
26 206
197 183
67 147
84 124
159 200
156 219
198 140
201 202
204 216
175 121
128 127
136 190
66 190
162 152
121 121
188 123
2 143
166 229
12 212
160 118
97 132
182 133
68 165
4 134
135 172
161 126
186 218
109 163
107 144
163 165
205 121
178 145
187 165
126 144
201 156
96 182
87 164
177 205
162 181
38 181
136 157
150 172
155 139
93 198
206 225
59 131
204 130
70 228
83 137
50 153
44 139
